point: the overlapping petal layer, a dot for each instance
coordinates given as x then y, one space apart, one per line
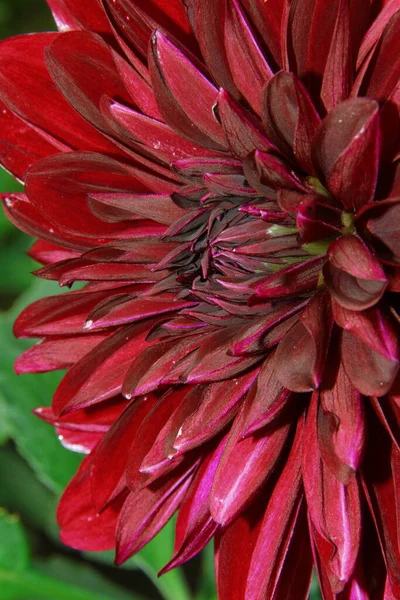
224 176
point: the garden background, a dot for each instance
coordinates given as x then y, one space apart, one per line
34 467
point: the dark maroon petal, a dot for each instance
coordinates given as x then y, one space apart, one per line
382 221
267 173
382 77
72 14
374 33
353 275
283 510
187 93
347 151
310 30
267 398
208 19
341 428
316 218
82 527
336 519
290 118
370 373
245 466
250 338
246 60
268 20
144 17
374 327
145 512
289 281
241 130
301 355
337 79
111 456
27 89
219 405
211 362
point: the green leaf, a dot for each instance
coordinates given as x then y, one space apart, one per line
151 559
5 427
19 580
83 575
21 492
155 556
14 553
207 589
35 440
315 594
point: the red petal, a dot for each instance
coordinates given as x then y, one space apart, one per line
268 398
232 566
82 527
99 375
241 129
218 407
347 151
189 96
27 89
145 512
56 353
111 456
381 485
58 315
74 174
72 14
382 77
22 144
83 69
276 535
341 428
244 467
194 525
335 509
144 17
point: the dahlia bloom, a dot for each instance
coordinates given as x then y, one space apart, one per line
224 176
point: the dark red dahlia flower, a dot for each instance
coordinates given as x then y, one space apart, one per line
224 176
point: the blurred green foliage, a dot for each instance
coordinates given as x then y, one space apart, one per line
34 468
